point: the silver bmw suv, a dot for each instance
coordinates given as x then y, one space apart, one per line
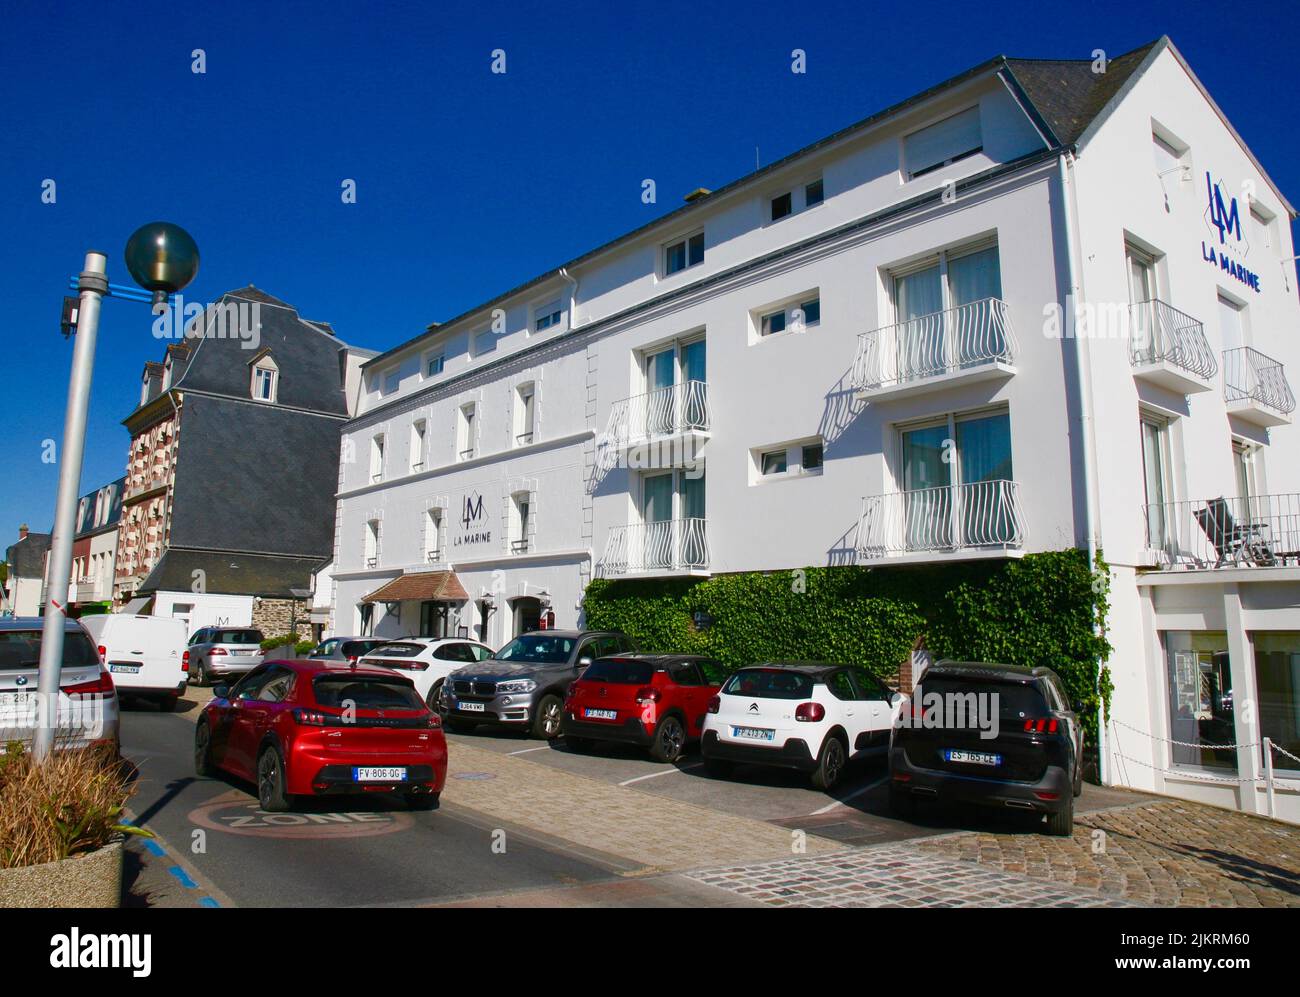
524 683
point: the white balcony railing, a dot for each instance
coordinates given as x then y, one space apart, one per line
1259 530
1160 333
656 548
982 514
966 338
671 411
1249 375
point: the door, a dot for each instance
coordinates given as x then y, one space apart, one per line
657 515
856 713
1146 345
239 731
692 544
1153 474
660 376
528 615
927 488
975 333
984 461
694 406
918 299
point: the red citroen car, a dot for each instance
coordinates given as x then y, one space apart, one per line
307 728
657 701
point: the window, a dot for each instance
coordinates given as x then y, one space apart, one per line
466 432
781 206
520 524
813 193
1244 458
264 382
1263 221
392 380
417 445
812 457
684 254
773 322
774 462
547 316
1155 472
372 543
525 414
1277 678
433 536
1200 699
377 458
797 316
942 143
435 365
484 342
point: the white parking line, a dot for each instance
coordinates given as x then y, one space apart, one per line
852 796
655 775
524 751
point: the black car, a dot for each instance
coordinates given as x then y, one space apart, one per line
991 735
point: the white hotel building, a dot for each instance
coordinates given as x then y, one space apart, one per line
860 348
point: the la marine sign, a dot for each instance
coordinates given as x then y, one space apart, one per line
1224 217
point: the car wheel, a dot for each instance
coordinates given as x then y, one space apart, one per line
901 803
270 781
547 723
716 768
670 739
198 674
830 764
460 726
1061 824
1078 780
203 749
579 744
434 699
422 801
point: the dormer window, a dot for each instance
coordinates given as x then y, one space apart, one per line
265 379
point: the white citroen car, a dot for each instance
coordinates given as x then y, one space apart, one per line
808 716
426 661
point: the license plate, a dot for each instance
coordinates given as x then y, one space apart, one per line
12 699
971 757
600 714
470 707
243 652
124 669
753 733
379 775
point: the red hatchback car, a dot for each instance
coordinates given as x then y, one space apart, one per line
307 728
657 701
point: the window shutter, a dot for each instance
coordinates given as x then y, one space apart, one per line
941 141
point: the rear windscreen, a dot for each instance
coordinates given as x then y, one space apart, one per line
22 649
364 692
619 672
238 637
1015 699
356 648
763 684
397 650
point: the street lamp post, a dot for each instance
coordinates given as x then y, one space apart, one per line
162 258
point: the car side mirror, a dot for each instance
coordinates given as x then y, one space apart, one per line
221 691
583 662
895 699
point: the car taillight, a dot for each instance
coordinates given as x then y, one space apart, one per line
185 661
100 686
715 704
103 653
1048 726
218 650
571 691
352 659
647 695
434 721
809 712
309 718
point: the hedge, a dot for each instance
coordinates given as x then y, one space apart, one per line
1042 609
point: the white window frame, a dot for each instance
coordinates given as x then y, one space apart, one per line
393 374
798 194
791 309
377 455
435 521
552 312
685 242
438 357
905 168
419 432
467 430
268 367
794 465
525 421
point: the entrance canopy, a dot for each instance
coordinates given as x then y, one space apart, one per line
441 586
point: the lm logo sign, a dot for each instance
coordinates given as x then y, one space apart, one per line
472 521
1223 215
473 509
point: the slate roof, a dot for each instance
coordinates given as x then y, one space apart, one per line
229 574
26 558
86 510
441 586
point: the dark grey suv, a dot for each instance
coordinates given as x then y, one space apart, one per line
524 683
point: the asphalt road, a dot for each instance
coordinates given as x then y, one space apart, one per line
345 851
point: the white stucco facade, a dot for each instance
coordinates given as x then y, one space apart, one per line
920 403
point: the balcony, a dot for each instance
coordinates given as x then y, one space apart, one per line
972 342
675 416
1255 388
88 590
670 547
1261 531
980 518
1168 348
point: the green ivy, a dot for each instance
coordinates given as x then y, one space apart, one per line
1042 609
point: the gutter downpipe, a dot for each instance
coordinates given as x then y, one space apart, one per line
1083 379
573 296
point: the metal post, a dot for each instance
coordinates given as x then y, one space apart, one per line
93 285
1268 774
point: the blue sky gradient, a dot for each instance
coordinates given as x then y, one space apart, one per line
468 183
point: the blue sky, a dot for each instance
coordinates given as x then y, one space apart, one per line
468 183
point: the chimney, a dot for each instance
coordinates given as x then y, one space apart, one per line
696 194
22 532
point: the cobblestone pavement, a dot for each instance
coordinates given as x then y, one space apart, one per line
898 875
1168 853
655 833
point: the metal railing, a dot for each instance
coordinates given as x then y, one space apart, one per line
646 548
1249 374
963 338
519 546
467 454
1258 530
678 408
981 514
434 556
1159 332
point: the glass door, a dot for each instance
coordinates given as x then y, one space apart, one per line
695 402
927 488
1145 333
657 516
660 376
693 543
984 460
918 298
1153 472
975 333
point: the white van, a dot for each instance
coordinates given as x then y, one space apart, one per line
145 654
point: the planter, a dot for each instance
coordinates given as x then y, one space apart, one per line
90 880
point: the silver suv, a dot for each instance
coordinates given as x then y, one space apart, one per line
524 683
223 651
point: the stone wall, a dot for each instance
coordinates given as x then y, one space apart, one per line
274 617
